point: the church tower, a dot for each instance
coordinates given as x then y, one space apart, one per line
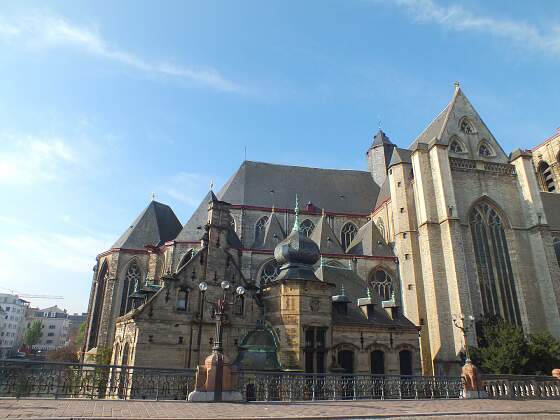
379 155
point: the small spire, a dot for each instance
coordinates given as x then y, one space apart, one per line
379 122
211 184
153 196
456 84
296 220
273 209
368 292
342 291
322 262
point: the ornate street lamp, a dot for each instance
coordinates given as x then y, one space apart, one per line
464 324
220 306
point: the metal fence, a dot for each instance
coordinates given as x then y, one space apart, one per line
260 386
519 387
22 379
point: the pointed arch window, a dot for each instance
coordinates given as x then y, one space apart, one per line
382 283
556 243
269 272
546 178
306 227
185 259
484 150
495 273
466 126
130 283
182 299
455 145
348 234
260 228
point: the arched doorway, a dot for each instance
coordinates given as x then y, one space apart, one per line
346 360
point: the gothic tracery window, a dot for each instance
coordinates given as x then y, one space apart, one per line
382 283
186 258
130 283
456 147
98 305
260 228
546 178
347 235
495 273
484 150
466 126
269 272
306 227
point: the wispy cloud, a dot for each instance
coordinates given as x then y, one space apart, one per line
187 188
51 31
457 18
31 159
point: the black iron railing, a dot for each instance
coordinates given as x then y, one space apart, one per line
22 379
283 386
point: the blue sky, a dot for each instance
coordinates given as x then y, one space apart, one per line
103 103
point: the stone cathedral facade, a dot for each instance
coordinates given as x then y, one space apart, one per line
451 225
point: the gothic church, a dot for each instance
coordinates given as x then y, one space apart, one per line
365 276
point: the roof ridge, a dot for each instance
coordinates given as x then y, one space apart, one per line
305 167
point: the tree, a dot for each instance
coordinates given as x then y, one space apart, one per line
33 333
63 354
78 339
544 354
506 350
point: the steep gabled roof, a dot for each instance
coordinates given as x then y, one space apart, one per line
435 128
400 156
384 193
267 185
324 236
155 225
193 229
381 138
368 241
273 232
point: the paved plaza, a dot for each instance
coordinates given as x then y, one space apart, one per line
424 409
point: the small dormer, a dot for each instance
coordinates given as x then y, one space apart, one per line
367 305
391 307
340 302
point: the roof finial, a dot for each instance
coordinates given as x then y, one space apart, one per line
368 292
211 184
456 84
296 220
322 261
379 121
342 291
153 196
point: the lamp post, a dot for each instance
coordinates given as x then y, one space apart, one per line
220 306
464 324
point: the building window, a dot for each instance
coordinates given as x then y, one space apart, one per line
315 349
495 274
377 362
130 283
269 272
50 335
260 228
306 227
346 360
546 178
405 362
382 283
239 305
484 150
466 126
182 299
52 327
456 147
556 243
347 235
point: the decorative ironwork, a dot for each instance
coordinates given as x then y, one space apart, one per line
73 380
282 386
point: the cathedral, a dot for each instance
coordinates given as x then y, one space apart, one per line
364 274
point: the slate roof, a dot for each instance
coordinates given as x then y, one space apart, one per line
400 156
384 193
324 236
380 138
343 191
155 225
191 231
435 128
355 288
551 204
368 241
